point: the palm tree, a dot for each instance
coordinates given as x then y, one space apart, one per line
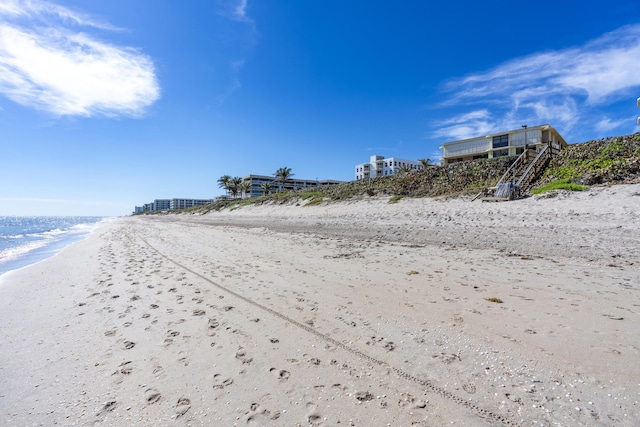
224 182
234 185
266 188
283 174
426 162
246 188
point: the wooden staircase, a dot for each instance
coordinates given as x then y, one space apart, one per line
521 175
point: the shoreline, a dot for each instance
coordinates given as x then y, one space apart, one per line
45 252
348 313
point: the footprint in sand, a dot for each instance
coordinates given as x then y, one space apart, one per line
242 355
313 415
126 368
220 383
128 345
469 388
153 396
281 374
108 407
447 357
199 312
182 406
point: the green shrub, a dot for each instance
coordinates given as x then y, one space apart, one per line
561 184
310 194
314 202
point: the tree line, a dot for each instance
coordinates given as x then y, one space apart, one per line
235 186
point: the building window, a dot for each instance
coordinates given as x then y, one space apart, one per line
500 141
500 153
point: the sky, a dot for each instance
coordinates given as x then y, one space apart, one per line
112 104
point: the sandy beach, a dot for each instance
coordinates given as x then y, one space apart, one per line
360 313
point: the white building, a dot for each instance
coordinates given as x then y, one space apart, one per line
161 205
187 203
170 204
509 143
379 166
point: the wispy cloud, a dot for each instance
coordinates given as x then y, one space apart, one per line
606 124
47 63
235 10
564 87
240 11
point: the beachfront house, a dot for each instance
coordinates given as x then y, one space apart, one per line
509 143
379 166
257 182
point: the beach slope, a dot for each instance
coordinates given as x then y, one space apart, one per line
423 312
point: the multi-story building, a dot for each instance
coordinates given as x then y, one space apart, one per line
379 166
509 143
161 205
257 182
187 203
170 204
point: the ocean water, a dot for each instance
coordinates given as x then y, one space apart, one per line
26 240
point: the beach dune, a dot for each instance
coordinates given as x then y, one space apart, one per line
361 313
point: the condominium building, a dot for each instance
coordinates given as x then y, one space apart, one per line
258 181
187 203
508 143
379 166
170 204
161 205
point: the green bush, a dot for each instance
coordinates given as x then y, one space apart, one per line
561 184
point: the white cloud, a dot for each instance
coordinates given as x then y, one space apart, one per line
240 11
562 88
235 10
606 124
45 64
475 123
229 90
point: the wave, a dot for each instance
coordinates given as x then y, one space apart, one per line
26 240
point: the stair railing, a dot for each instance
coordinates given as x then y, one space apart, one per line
543 156
512 169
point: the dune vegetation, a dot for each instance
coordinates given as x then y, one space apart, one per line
604 161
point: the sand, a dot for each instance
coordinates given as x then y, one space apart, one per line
355 313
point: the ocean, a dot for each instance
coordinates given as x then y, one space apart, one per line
25 240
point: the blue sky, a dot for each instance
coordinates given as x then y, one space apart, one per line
107 105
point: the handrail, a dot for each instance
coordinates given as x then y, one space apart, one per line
515 164
542 153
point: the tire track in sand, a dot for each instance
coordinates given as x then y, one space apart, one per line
430 386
